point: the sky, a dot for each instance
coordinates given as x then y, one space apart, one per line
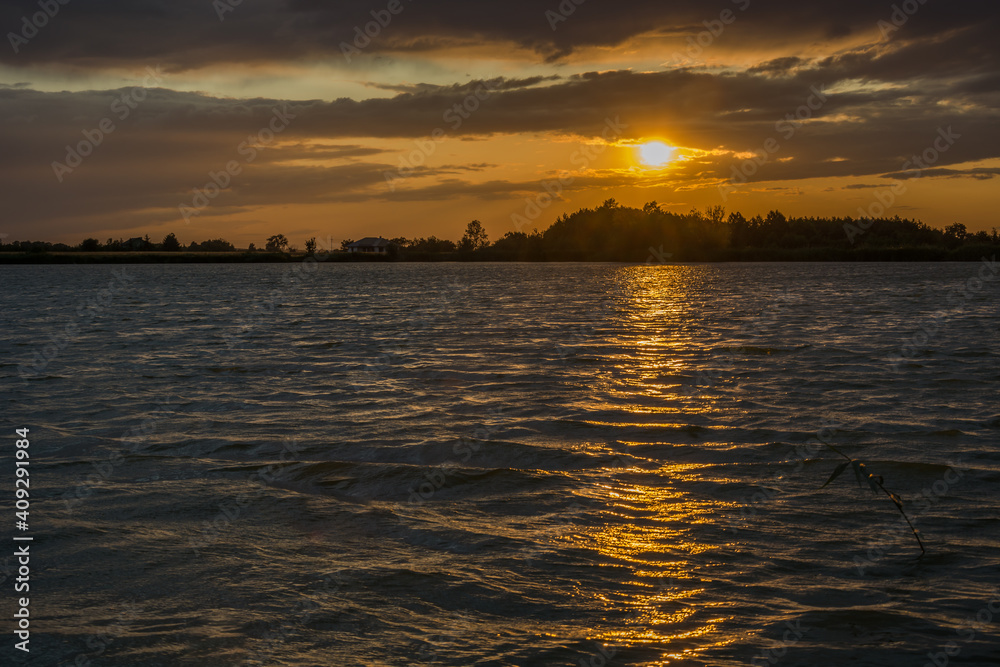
240 119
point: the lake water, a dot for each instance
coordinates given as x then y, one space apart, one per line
504 464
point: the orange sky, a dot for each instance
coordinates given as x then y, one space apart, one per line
277 117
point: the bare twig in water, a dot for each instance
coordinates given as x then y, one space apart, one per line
874 483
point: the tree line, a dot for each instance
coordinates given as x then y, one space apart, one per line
612 232
144 244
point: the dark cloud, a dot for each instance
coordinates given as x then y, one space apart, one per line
777 66
979 173
937 69
190 33
494 85
171 141
969 53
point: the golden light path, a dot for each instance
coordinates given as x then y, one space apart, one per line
650 520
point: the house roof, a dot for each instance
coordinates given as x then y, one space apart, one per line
370 242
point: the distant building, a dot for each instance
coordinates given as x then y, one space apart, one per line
378 246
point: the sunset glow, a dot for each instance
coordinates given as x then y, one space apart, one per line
500 333
656 153
339 120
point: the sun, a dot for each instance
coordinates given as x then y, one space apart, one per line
656 153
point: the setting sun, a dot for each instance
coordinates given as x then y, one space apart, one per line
656 153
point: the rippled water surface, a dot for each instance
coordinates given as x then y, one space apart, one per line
503 464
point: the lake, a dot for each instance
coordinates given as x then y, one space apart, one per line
505 464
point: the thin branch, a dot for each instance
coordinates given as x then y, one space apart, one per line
899 505
859 468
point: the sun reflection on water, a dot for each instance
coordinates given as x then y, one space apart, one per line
650 522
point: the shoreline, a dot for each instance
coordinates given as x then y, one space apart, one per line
970 253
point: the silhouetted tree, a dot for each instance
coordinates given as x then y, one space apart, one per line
432 244
216 245
519 246
170 243
345 243
956 232
276 243
311 245
716 214
90 245
475 237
